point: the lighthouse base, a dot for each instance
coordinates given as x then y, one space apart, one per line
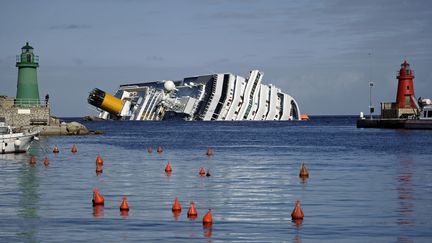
391 111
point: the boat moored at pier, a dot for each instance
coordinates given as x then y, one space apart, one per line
11 142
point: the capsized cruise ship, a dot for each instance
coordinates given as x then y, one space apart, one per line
219 96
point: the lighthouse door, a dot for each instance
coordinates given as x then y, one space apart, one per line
407 100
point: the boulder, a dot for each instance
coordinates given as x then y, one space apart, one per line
75 128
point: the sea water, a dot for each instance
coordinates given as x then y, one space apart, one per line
365 185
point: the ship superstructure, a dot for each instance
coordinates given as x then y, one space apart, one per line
219 96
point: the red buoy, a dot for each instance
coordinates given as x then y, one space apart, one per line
98 199
56 149
99 169
208 218
304 172
74 149
159 149
168 168
33 160
46 161
124 205
202 172
297 213
176 205
99 160
149 149
209 151
192 212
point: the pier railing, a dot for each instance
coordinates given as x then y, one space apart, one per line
31 103
25 59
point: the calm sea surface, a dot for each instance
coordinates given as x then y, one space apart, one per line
365 185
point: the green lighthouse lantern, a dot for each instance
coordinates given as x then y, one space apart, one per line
27 86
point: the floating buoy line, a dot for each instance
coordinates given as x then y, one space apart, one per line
98 200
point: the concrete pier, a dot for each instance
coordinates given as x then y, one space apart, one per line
395 123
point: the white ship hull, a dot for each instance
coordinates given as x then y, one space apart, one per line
220 96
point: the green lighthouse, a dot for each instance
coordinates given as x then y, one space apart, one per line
27 86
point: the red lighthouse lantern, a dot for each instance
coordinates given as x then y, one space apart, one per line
405 87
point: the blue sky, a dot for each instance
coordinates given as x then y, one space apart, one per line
323 53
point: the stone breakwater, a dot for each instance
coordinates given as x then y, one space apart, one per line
63 128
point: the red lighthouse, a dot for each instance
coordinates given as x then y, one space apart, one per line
405 87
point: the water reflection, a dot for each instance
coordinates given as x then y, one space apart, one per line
405 196
124 213
297 239
303 179
28 185
297 222
208 231
405 191
176 215
98 211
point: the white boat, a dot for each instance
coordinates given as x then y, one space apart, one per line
426 110
11 142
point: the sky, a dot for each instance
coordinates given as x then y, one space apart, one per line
323 53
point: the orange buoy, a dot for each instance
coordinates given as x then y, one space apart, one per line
208 173
99 169
99 160
176 205
159 149
208 218
46 161
74 149
98 199
168 168
209 151
150 149
124 205
33 160
56 150
297 213
304 172
202 172
192 212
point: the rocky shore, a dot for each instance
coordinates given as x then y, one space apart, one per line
60 129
